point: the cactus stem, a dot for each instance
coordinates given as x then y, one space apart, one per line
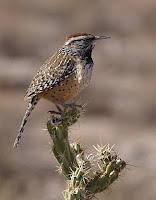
87 175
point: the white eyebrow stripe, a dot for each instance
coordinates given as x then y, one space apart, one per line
74 38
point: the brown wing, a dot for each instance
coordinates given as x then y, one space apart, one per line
52 72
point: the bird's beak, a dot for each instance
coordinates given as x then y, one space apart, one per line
101 37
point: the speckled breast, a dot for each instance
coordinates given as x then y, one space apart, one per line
71 86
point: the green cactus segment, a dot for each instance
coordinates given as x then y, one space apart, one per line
87 175
109 173
77 183
110 166
63 151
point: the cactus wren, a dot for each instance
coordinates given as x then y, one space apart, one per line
63 75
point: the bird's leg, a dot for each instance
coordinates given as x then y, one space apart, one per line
70 105
59 109
73 105
55 112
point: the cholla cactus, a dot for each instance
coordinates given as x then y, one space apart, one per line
87 174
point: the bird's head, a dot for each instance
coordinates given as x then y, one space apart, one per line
83 41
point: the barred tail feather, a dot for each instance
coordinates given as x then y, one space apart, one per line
31 105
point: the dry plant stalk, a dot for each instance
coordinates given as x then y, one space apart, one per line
86 175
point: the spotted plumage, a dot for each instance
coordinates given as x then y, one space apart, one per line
63 75
55 70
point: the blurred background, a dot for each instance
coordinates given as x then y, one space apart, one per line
122 93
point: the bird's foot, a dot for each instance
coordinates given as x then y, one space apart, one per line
62 112
72 106
54 112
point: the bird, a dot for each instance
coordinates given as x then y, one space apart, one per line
63 75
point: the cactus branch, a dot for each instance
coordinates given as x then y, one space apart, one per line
87 175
